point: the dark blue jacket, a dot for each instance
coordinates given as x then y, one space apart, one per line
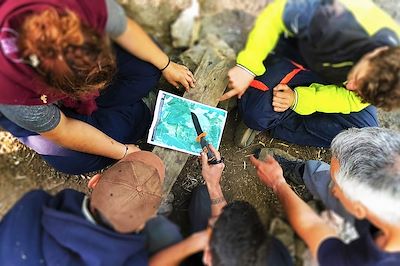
45 230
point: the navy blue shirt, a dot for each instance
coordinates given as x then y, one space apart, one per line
45 230
360 252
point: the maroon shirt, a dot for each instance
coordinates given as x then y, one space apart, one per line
20 84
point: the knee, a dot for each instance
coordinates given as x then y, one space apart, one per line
259 120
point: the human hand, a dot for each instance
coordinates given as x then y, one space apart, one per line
200 239
269 171
211 172
283 97
239 81
179 74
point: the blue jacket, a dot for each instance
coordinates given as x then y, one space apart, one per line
45 230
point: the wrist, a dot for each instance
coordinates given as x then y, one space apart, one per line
279 185
166 65
295 100
246 69
196 244
214 189
125 152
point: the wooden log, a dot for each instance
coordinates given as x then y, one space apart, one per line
211 76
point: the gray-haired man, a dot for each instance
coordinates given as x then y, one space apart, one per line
362 182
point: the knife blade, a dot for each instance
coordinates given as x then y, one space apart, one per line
201 138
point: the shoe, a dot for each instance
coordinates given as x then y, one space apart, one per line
244 136
293 168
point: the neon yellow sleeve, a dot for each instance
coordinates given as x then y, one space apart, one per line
327 99
364 10
263 37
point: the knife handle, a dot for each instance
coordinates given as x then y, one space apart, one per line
210 155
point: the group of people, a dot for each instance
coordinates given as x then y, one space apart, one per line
75 76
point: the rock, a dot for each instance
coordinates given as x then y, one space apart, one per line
192 57
389 119
250 6
232 26
155 16
185 29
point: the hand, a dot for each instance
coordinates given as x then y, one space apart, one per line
269 171
201 239
239 81
283 98
211 172
179 74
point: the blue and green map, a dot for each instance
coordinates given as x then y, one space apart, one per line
173 127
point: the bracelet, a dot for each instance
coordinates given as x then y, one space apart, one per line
126 151
169 61
217 200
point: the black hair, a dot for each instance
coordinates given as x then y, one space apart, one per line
237 236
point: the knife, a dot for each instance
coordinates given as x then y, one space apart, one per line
201 137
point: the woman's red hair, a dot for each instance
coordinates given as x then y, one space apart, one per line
73 58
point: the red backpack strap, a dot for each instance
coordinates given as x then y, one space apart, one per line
293 73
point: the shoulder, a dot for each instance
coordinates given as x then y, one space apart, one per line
298 15
116 20
37 118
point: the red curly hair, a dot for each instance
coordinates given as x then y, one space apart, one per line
73 58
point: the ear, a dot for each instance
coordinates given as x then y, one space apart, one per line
94 180
360 212
351 85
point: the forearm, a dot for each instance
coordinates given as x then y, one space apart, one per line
137 41
327 99
307 224
80 136
263 37
217 199
175 254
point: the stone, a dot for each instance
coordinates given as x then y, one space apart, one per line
250 6
389 119
155 16
185 29
232 26
192 57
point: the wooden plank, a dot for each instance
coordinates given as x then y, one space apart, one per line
211 77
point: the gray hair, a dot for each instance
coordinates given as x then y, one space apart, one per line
369 171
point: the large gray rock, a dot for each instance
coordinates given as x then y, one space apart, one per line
185 29
232 26
231 19
155 16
